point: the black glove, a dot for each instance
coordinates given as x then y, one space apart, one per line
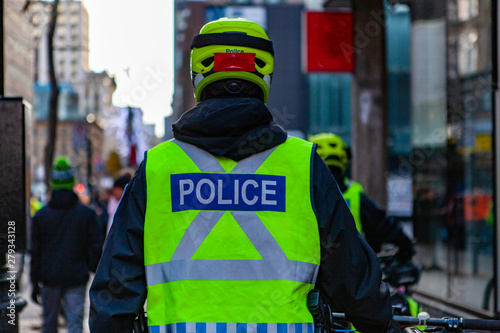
394 327
405 249
35 293
405 255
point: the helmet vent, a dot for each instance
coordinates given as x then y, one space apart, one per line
207 61
259 63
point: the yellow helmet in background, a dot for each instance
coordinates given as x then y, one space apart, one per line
231 49
332 149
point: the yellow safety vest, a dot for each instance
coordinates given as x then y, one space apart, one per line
352 196
230 246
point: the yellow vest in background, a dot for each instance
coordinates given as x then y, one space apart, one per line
230 246
353 198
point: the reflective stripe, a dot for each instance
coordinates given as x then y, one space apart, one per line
258 234
196 233
249 222
205 161
250 165
233 328
234 270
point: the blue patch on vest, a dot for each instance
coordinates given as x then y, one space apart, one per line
229 192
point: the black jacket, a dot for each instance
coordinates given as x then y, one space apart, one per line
65 242
349 276
378 228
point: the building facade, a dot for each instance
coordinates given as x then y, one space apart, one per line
71 45
440 124
452 153
84 96
18 52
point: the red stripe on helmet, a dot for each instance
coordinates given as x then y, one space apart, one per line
236 62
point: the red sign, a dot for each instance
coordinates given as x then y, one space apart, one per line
329 42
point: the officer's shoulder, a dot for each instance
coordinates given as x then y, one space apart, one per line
165 145
298 141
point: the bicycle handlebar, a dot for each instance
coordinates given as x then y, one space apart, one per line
451 323
478 324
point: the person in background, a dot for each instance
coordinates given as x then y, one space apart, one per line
370 220
100 205
65 247
218 231
116 195
35 205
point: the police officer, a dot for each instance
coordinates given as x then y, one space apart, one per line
218 231
370 220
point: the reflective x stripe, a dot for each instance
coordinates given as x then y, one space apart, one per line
196 233
251 164
258 234
201 226
249 222
233 328
203 160
206 162
274 266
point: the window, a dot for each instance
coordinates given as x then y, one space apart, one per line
468 55
467 9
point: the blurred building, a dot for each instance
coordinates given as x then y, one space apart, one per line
18 51
440 126
127 135
70 41
97 95
18 61
169 134
84 96
451 157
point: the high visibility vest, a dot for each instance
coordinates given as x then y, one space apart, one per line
352 196
230 246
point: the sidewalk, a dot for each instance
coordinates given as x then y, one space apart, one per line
30 319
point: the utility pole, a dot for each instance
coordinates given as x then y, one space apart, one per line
369 112
54 97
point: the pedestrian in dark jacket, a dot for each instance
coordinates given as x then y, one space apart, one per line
230 225
65 248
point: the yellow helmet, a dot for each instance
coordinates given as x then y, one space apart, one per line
231 49
332 149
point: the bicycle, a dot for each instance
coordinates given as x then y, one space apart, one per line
400 276
442 325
